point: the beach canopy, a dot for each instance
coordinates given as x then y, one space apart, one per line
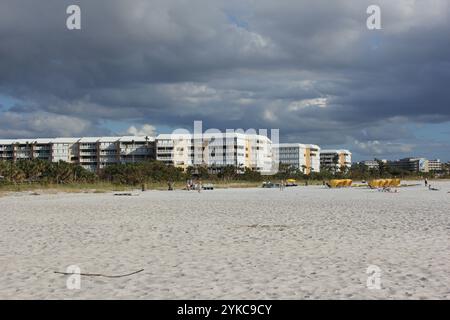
341 183
384 183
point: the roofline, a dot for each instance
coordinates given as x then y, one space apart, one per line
76 139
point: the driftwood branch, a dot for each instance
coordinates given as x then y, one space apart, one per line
99 274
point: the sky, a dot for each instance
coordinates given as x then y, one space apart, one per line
311 69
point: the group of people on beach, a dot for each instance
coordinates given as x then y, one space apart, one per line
194 185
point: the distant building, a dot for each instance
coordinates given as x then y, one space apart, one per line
372 164
435 165
304 157
335 158
446 167
92 153
411 164
216 151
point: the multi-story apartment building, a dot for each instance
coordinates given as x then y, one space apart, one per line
63 149
303 157
335 159
372 164
411 164
216 150
92 153
20 149
435 165
213 150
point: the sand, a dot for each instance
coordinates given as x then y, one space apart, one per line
301 243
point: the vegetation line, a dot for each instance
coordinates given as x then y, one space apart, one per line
38 174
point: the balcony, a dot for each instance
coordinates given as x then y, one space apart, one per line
86 154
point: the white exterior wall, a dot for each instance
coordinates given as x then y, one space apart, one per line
261 158
370 164
344 158
315 157
435 165
25 149
91 153
61 152
6 150
108 152
175 149
215 150
300 156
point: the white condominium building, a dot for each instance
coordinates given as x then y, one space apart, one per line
304 157
215 150
20 149
212 150
435 165
335 158
92 153
372 164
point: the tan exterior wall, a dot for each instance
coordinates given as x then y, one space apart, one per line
308 160
248 153
341 159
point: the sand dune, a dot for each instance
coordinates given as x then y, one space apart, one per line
301 243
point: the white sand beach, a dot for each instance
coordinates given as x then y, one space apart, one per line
300 243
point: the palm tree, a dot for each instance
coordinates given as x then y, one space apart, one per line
61 172
33 169
146 144
335 163
382 168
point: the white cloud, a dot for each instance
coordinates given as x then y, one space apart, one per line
316 102
43 124
376 147
306 67
144 130
404 15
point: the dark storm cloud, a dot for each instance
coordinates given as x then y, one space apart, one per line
310 68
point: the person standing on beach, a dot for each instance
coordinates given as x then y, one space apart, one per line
426 182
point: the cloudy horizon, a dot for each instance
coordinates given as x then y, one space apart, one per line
309 68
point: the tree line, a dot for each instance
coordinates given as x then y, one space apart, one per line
40 171
44 172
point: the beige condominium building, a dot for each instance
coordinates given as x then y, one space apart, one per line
435 165
92 153
216 151
304 157
335 159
